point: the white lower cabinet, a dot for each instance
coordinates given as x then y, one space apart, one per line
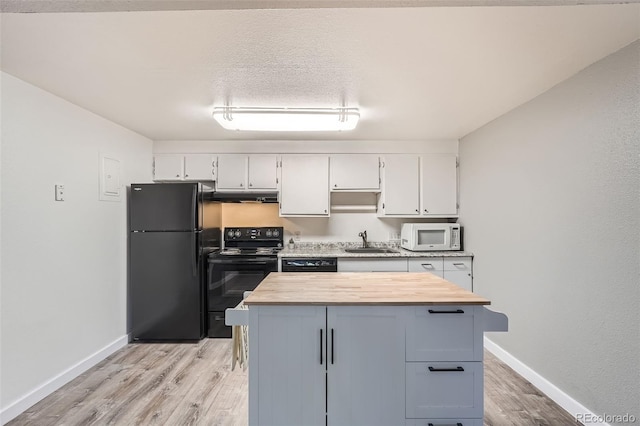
365 365
458 270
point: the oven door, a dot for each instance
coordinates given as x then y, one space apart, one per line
228 278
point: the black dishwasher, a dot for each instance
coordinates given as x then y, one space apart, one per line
315 264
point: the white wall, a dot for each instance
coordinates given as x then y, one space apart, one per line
63 263
340 226
550 196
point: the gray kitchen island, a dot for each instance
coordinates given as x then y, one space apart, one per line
357 348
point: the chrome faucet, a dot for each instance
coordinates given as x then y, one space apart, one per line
363 234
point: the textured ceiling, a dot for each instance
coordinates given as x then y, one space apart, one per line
416 73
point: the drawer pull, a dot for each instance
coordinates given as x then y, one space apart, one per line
457 311
427 266
457 424
458 264
437 370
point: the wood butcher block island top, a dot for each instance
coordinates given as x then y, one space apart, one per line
360 288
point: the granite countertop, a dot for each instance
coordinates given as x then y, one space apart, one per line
359 288
337 250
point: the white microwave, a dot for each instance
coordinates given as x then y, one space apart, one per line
430 236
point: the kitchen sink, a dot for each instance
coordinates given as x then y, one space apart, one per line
370 250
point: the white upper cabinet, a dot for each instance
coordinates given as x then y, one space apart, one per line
355 172
304 185
400 185
263 172
239 172
191 167
199 167
168 167
439 185
232 171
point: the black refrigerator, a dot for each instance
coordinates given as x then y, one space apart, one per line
173 228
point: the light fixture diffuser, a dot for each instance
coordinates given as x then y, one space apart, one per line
286 119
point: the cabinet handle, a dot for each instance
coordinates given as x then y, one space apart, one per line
241 185
417 211
437 370
426 211
335 185
458 264
457 424
427 266
177 175
321 347
250 184
332 346
325 210
186 175
457 311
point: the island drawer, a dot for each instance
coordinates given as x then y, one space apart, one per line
443 422
444 333
444 390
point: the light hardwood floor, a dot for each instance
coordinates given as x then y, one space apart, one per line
192 384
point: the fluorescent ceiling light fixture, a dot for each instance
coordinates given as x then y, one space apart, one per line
286 119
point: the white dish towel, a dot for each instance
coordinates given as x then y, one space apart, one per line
240 340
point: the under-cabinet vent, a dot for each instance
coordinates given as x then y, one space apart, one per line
356 202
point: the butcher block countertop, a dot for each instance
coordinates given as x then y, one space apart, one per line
360 288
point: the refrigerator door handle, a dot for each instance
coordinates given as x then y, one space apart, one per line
195 207
194 259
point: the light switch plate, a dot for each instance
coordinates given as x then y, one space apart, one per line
59 192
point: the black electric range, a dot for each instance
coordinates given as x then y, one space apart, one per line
248 256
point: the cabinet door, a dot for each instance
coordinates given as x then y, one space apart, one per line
263 172
458 271
232 172
287 365
366 368
401 185
439 185
168 167
304 189
354 172
200 167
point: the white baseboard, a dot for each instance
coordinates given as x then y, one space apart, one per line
18 406
573 407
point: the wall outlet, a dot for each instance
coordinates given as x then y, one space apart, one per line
59 192
296 235
394 236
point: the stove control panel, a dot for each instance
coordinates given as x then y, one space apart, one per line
248 234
